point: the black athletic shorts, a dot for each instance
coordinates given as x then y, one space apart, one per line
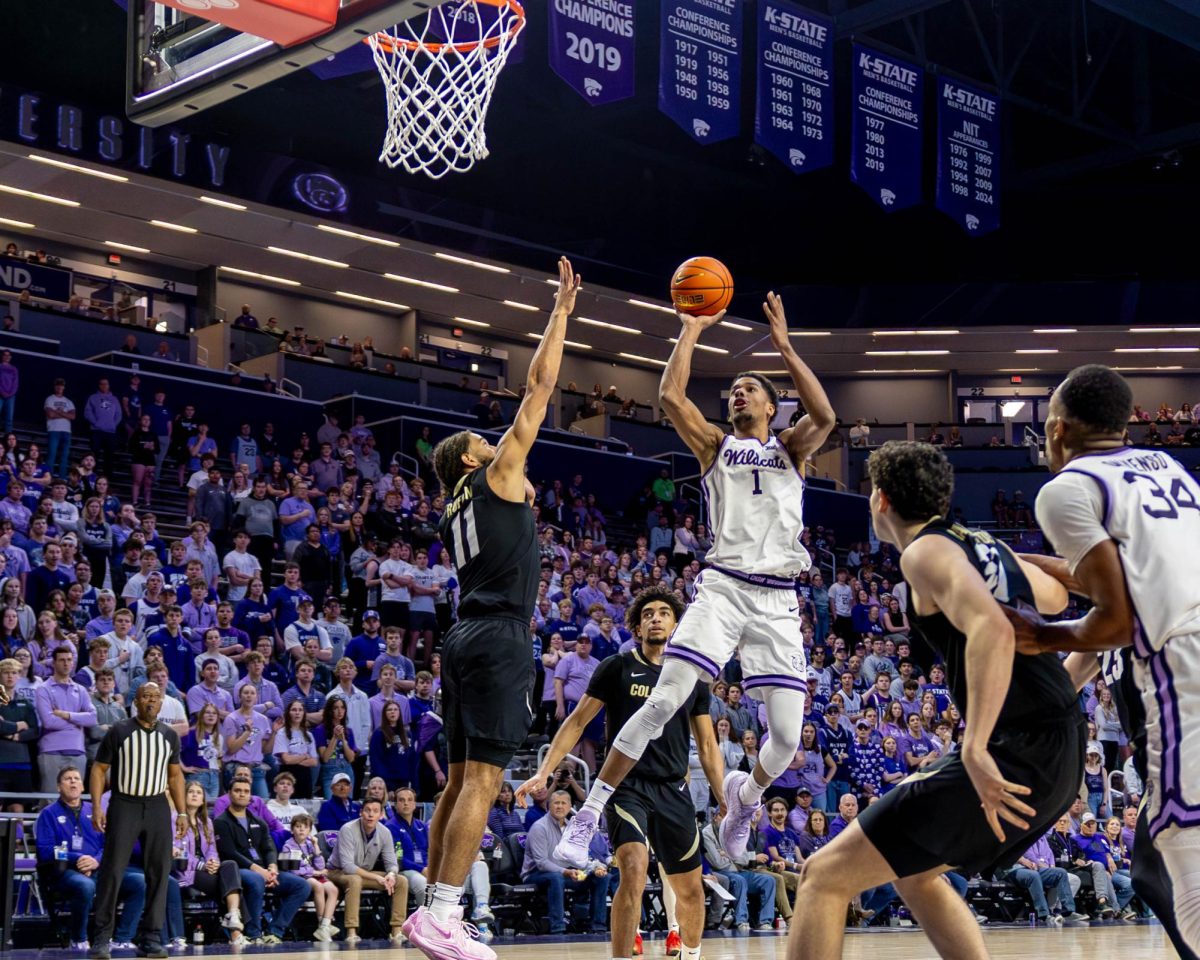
933 817
487 689
661 814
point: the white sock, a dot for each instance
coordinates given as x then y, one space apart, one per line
690 953
430 893
750 793
597 797
445 899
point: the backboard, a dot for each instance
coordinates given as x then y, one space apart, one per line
178 63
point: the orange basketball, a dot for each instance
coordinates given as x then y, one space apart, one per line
701 286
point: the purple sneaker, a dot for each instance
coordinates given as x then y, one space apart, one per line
573 847
735 828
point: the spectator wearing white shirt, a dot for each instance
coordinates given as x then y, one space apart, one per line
124 653
339 634
358 711
172 712
860 434
396 574
240 566
135 586
227 677
304 626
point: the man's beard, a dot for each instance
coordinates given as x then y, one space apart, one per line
742 418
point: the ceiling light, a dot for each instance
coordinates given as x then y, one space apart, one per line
906 353
382 303
38 196
308 256
16 223
1149 368
126 246
471 323
610 326
222 203
1157 350
428 284
810 333
703 346
516 304
357 236
568 343
62 164
1010 408
913 333
1055 330
1047 350
911 370
261 276
641 359
1164 329
765 353
745 328
471 263
177 227
646 305
552 281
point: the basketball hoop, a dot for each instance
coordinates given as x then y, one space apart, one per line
439 71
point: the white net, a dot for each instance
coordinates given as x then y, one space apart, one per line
439 70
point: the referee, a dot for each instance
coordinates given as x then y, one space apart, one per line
144 757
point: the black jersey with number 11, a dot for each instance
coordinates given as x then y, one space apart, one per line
493 543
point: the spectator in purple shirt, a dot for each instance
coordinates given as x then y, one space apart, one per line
65 710
11 507
208 690
571 678
270 700
198 613
248 736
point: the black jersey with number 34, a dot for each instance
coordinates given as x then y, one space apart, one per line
493 542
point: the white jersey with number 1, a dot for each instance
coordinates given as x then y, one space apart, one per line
755 499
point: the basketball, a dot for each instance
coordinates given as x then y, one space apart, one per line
701 286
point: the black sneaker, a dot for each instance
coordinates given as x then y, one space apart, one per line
154 950
101 950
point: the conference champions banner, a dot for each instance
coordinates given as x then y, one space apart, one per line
886 148
592 47
968 174
700 66
794 112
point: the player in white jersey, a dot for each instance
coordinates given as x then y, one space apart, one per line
1126 524
745 599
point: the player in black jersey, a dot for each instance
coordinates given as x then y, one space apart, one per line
652 805
487 659
1024 735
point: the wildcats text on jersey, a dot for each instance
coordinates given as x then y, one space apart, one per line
752 458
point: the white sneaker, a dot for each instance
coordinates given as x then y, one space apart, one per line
177 943
83 945
735 828
232 921
573 847
321 934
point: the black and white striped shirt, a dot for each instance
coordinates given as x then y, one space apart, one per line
139 757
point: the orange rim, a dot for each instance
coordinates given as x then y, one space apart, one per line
390 43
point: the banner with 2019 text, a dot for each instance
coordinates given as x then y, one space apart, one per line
700 65
886 148
968 171
592 47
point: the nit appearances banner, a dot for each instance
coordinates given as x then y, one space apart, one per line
968 171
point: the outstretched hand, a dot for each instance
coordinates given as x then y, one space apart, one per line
521 796
568 286
691 321
777 318
997 796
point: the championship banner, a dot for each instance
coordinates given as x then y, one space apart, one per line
968 175
592 47
700 65
885 156
794 114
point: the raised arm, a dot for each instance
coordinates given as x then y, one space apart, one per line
702 437
811 430
506 472
939 571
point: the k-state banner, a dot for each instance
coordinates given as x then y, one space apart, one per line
885 156
592 46
700 65
968 174
794 114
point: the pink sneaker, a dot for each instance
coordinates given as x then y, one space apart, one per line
414 918
454 940
735 828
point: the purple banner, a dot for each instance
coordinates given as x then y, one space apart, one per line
700 67
968 174
592 47
794 114
885 155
